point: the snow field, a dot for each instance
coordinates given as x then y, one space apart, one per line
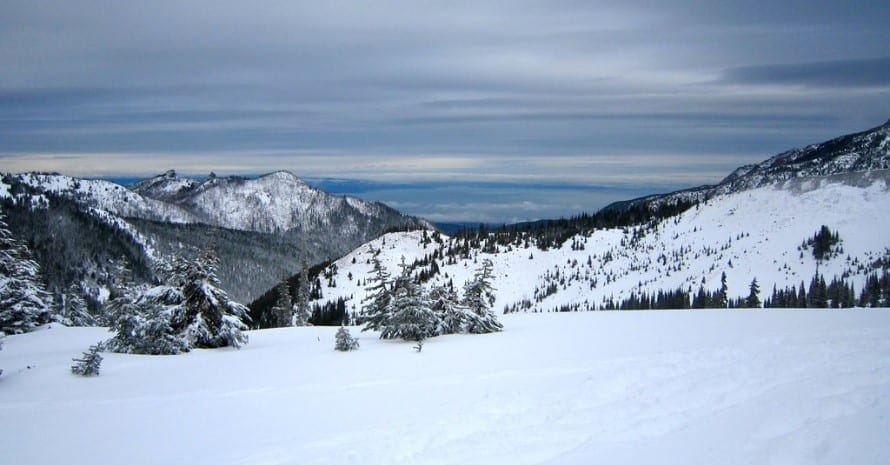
792 386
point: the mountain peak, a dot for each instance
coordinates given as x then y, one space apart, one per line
860 152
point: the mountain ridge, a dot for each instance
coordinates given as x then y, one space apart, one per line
167 214
754 226
862 151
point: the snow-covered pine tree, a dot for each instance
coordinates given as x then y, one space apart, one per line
141 317
23 299
89 363
478 298
208 317
301 310
74 310
157 337
122 313
452 317
283 309
410 316
375 307
343 340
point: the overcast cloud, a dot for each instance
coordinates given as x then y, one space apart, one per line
536 91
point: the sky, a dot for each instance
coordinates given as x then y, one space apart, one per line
600 98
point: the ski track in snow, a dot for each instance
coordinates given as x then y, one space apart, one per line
792 386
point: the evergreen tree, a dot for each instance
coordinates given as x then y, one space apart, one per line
753 300
723 295
74 309
301 309
122 313
23 299
478 298
444 303
145 328
818 293
409 314
284 308
89 363
822 242
802 297
376 304
208 317
343 340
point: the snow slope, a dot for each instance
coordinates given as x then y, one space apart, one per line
749 234
728 387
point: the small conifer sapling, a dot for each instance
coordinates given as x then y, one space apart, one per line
343 340
88 364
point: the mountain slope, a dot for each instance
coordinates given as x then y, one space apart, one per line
272 203
860 152
756 224
264 228
750 234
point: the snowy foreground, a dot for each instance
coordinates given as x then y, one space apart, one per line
683 387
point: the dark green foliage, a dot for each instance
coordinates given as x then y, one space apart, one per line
74 308
23 299
330 314
408 315
89 363
302 313
446 306
548 234
261 315
249 261
208 317
753 300
146 329
823 243
343 340
478 299
662 300
376 306
817 296
283 310
837 294
876 292
74 245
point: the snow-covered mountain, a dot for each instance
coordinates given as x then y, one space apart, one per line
273 203
752 234
864 151
79 228
754 225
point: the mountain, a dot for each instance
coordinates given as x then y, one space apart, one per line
273 203
763 223
853 153
263 228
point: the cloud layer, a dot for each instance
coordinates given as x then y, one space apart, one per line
534 91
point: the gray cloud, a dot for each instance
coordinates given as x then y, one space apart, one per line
840 73
524 90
